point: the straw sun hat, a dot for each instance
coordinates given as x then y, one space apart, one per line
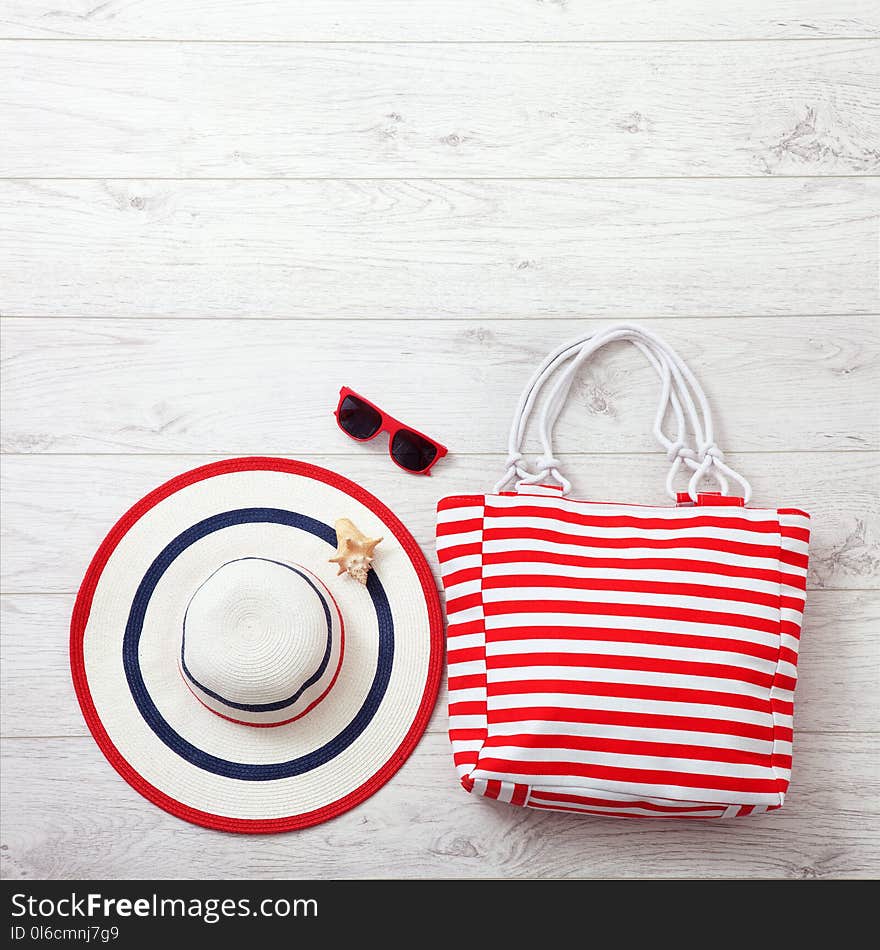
225 669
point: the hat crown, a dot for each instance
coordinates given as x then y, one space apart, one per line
257 635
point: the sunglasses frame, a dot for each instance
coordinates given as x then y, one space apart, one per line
392 426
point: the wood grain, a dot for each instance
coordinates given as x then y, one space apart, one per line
837 687
465 249
423 825
421 111
438 20
269 387
57 509
428 196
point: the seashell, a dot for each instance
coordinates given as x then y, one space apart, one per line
354 552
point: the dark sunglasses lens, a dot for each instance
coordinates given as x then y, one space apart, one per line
412 451
359 419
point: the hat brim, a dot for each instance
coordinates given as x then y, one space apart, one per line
125 633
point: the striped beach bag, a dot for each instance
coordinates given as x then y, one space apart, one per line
619 659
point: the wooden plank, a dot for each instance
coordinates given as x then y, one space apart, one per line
474 249
441 20
268 387
839 664
423 825
401 110
57 509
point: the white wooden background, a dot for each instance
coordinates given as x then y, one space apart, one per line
214 213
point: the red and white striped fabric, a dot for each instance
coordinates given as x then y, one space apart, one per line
623 660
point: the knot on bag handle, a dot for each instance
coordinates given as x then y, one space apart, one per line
680 394
547 465
680 450
512 464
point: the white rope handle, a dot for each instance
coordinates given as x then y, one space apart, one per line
677 449
708 460
679 390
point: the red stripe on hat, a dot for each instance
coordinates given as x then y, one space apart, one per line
83 605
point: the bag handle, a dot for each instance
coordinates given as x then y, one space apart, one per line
680 391
542 375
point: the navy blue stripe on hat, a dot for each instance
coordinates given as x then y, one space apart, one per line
281 703
262 772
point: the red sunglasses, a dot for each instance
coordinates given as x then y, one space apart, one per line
362 420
